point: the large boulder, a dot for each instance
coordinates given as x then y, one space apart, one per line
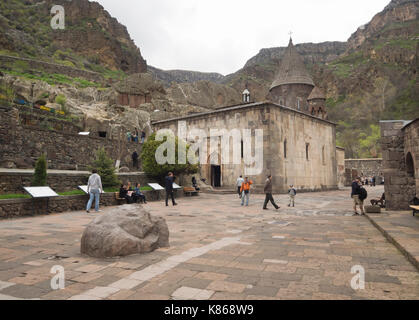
123 231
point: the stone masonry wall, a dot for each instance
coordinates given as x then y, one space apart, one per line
13 182
16 208
399 187
319 172
340 160
365 168
411 144
21 145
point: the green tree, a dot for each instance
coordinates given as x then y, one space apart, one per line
370 144
104 166
152 168
40 175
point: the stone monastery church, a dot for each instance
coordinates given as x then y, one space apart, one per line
299 143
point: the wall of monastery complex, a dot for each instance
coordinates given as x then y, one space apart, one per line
12 182
397 142
22 143
366 167
282 128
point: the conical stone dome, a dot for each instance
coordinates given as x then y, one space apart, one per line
292 69
317 93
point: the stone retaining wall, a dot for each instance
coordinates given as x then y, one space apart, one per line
366 167
21 145
13 182
15 208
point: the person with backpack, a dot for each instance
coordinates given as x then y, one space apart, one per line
292 193
359 194
245 190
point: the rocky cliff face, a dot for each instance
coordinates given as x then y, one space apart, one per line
182 76
398 11
91 38
312 53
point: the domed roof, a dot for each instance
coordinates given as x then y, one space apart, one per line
317 93
292 69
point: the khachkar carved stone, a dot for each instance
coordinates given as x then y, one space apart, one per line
123 231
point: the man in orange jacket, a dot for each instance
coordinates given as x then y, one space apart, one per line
245 190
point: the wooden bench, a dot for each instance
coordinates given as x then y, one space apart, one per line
190 191
117 198
415 209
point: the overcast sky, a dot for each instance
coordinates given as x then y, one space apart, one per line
221 35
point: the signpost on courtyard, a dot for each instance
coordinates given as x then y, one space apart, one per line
40 193
156 187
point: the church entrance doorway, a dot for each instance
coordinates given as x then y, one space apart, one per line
216 176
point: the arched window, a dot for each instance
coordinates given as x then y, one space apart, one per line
285 148
307 150
410 166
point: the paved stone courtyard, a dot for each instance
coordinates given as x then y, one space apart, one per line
219 250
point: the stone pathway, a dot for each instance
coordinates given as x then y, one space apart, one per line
219 250
402 229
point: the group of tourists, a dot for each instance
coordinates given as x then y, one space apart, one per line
132 195
369 181
244 186
136 137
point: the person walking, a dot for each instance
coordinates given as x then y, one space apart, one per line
245 190
94 189
356 192
142 137
129 136
239 183
135 160
169 188
292 193
268 191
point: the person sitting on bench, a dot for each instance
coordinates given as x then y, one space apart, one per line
138 195
381 201
123 193
195 184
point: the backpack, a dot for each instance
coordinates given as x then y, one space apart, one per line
363 194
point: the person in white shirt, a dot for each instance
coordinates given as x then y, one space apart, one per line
94 188
239 183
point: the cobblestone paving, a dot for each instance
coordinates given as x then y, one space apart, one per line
219 250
